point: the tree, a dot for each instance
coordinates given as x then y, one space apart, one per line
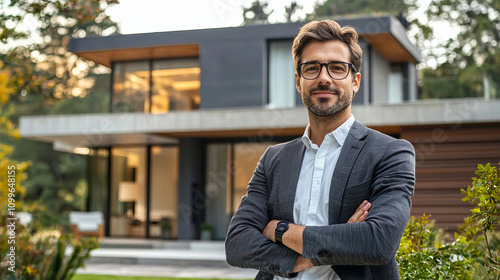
257 13
45 77
474 52
45 71
291 11
444 82
332 8
13 172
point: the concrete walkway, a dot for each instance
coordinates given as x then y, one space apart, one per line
128 257
169 271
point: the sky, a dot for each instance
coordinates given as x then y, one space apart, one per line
143 16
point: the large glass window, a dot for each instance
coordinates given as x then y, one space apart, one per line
128 192
229 169
282 91
98 186
176 85
157 86
131 86
217 188
395 84
164 191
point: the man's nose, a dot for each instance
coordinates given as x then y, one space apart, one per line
324 77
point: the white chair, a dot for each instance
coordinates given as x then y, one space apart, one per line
87 223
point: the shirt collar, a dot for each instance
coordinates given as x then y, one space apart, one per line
340 134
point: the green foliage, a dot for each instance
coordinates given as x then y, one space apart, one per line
205 226
332 8
43 71
8 166
42 255
447 82
474 52
96 101
423 253
56 180
44 78
484 194
291 11
256 13
472 254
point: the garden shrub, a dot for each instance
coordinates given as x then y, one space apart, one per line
473 252
424 253
42 255
484 194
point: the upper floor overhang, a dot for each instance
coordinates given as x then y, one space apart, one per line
384 33
105 130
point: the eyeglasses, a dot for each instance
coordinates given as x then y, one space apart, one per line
338 70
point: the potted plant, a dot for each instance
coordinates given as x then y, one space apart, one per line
166 228
206 231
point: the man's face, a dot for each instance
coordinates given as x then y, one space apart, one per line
325 96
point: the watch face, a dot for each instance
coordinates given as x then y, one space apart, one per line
281 227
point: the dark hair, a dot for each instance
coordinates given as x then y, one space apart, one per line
326 30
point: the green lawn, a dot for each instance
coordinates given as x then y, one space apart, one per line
114 277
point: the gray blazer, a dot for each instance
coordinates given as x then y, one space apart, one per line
371 166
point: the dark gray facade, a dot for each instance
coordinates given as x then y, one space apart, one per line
234 61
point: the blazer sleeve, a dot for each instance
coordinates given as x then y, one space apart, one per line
245 245
376 240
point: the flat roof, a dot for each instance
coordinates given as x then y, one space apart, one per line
102 130
385 33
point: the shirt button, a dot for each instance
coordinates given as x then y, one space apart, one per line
320 155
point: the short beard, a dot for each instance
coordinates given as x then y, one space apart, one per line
322 109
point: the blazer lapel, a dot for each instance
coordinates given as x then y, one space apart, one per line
352 146
290 170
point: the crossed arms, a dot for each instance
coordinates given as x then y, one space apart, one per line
373 241
292 238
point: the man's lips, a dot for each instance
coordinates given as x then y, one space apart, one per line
323 93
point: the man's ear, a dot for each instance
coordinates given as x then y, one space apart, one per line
297 83
355 83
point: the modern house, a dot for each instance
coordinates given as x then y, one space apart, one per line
192 112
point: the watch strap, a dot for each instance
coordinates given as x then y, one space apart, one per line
281 228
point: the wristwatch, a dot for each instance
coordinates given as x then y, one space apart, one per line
281 228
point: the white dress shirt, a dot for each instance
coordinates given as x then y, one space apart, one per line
313 189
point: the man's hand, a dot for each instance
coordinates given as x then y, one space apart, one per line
361 212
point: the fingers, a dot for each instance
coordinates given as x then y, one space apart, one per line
361 213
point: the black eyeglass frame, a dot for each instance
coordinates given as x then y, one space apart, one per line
350 65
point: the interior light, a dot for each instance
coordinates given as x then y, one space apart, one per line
81 151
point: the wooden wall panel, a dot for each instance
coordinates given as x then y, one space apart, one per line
446 159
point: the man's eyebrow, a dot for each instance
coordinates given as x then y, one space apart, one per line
311 61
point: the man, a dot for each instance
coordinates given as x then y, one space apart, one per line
293 221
